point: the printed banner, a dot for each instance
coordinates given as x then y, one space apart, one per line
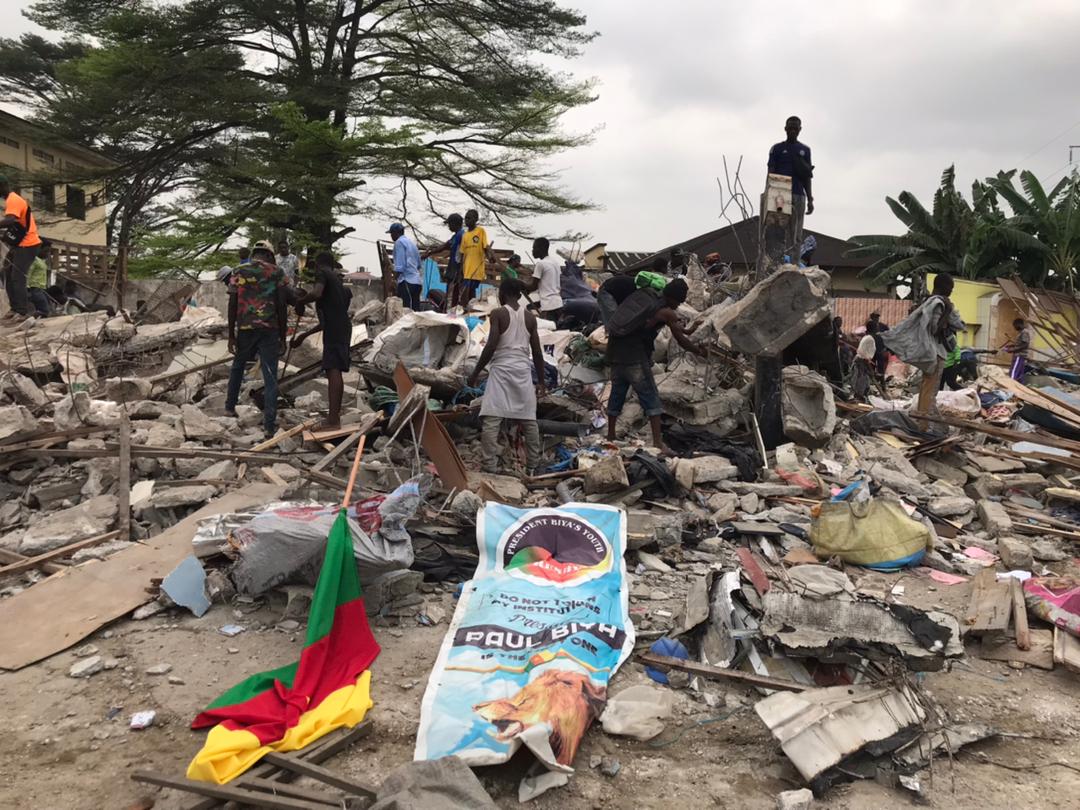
537 635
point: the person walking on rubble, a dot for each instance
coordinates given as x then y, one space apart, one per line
630 356
513 352
925 337
791 158
1020 347
257 327
332 306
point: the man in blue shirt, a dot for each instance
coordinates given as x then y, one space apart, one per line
792 159
452 275
406 266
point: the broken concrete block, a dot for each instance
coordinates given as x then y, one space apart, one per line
951 506
219 471
750 503
808 407
1047 551
994 518
996 464
16 421
198 426
118 329
88 519
608 475
942 472
87 667
1016 554
775 313
984 486
172 497
897 481
1028 482
127 389
722 505
466 505
392 586
102 473
22 390
162 435
286 471
795 799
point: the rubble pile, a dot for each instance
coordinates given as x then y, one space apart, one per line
820 582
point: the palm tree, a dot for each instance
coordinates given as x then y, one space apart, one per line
968 241
1052 219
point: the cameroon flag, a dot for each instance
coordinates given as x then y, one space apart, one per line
289 708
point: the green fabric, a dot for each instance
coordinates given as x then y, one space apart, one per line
38 275
338 581
256 685
953 358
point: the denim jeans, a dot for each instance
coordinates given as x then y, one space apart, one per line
409 294
16 266
40 300
638 376
266 345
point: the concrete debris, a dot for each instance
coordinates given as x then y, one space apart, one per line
808 407
608 475
87 667
995 519
16 421
1016 554
173 497
776 312
88 519
795 799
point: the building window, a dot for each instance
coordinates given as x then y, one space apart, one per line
6 141
45 157
45 198
75 206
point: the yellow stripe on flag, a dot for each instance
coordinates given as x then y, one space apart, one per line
227 754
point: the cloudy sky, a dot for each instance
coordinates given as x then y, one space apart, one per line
890 92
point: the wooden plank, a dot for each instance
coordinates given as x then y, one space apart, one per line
56 553
280 437
61 611
334 454
990 606
226 792
318 752
1066 650
718 674
1061 494
261 785
39 440
1020 617
1003 648
760 529
7 557
123 480
273 477
433 436
160 378
313 771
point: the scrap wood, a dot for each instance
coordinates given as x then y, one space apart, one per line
259 785
313 771
277 439
1066 650
273 477
1039 517
318 752
434 438
991 604
58 612
33 562
123 479
341 448
1039 654
1028 528
718 674
7 556
49 437
1020 618
753 570
160 378
1003 433
1062 494
227 793
1059 408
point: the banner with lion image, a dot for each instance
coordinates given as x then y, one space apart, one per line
536 636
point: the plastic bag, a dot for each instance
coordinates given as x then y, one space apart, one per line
877 534
637 712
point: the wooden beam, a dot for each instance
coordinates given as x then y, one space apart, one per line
14 557
1019 610
718 674
334 454
313 771
160 378
123 480
56 553
226 792
274 441
261 785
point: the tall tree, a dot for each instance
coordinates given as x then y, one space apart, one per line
298 113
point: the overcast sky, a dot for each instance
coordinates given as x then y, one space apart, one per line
890 93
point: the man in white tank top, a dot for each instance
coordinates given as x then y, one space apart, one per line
513 352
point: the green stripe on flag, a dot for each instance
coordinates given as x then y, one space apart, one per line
338 582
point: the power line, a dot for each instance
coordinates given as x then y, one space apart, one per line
1055 138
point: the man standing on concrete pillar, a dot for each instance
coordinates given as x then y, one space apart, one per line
792 159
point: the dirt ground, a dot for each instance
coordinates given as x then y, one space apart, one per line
61 750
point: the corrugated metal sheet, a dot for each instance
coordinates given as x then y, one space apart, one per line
856 311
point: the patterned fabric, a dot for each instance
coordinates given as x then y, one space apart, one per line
256 287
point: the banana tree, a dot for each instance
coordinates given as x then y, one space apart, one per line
1052 219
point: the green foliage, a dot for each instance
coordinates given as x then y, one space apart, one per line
289 115
1039 241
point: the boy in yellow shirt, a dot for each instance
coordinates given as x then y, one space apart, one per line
476 254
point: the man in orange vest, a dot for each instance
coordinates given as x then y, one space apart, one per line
19 232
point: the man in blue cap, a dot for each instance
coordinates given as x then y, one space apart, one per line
406 266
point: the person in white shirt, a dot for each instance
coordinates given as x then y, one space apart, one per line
287 262
546 279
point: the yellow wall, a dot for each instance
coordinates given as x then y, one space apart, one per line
966 296
22 155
